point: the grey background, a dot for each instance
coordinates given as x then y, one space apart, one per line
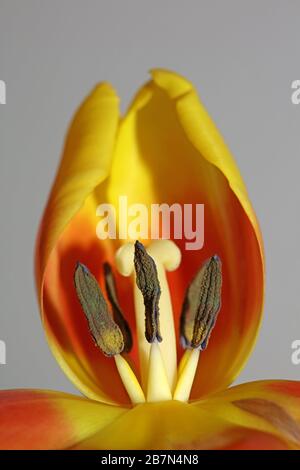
241 55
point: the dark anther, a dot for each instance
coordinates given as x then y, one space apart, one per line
148 283
104 330
118 315
201 305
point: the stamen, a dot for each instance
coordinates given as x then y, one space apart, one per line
201 305
118 315
148 283
129 380
106 333
188 366
200 310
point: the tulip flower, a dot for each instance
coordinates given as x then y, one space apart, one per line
152 334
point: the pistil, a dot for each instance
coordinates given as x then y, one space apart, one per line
158 387
163 255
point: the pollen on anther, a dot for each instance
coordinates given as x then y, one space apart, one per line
105 332
201 305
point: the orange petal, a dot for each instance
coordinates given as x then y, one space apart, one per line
36 419
265 406
255 440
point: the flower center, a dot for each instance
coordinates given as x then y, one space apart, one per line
160 378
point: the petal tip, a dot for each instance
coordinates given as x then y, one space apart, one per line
105 89
173 83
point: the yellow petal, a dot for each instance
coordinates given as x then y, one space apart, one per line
259 415
176 155
85 164
175 425
203 134
67 235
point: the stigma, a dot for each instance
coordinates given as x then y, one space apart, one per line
162 378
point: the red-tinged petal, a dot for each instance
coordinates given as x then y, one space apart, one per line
271 407
255 440
69 337
36 419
